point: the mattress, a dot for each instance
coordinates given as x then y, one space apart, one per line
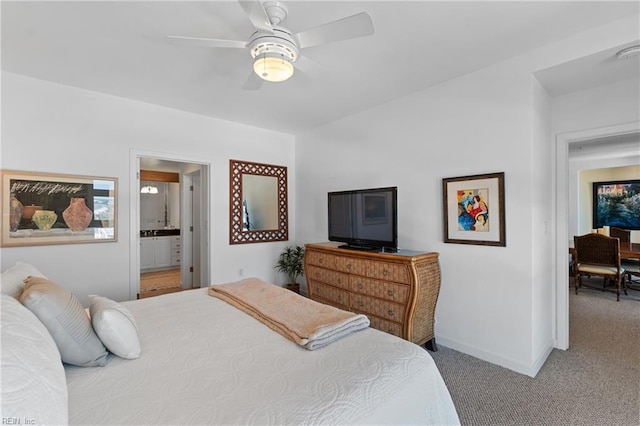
205 362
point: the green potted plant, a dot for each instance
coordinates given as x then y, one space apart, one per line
291 262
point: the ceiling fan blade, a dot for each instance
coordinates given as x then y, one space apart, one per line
360 25
257 15
254 82
308 67
206 42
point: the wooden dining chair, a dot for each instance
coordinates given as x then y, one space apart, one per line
599 255
624 235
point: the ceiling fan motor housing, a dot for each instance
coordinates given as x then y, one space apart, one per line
278 44
276 11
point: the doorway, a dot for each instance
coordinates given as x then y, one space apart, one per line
563 142
165 255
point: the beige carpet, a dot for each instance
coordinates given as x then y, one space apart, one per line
596 382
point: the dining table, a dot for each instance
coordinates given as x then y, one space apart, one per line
630 250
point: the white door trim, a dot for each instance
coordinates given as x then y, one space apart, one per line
134 211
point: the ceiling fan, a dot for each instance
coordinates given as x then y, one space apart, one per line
273 48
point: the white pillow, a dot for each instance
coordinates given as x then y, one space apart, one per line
12 278
63 315
115 326
34 386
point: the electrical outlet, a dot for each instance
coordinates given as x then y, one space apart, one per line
241 272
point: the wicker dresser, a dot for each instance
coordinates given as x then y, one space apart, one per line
397 291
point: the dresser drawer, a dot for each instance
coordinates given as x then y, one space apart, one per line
386 326
389 271
328 276
398 293
351 265
329 293
321 259
381 308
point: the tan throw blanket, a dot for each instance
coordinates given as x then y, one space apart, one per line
310 324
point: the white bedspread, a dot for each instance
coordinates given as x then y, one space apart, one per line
205 362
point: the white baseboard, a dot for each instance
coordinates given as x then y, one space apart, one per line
519 367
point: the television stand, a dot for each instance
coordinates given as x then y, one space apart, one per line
397 291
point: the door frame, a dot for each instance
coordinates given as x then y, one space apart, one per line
193 217
561 218
134 213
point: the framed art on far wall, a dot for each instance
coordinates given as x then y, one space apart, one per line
49 208
617 203
474 210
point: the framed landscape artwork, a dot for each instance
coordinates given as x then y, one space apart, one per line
617 203
474 209
46 208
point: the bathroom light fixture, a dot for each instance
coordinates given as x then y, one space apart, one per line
149 189
629 52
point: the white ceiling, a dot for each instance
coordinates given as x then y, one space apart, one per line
119 48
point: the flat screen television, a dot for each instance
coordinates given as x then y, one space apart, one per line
617 203
364 219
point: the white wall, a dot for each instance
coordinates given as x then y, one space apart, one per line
479 123
589 109
48 127
542 291
597 107
495 303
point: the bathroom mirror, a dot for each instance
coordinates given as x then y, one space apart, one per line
258 210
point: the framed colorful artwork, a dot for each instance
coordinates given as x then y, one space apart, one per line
48 208
474 210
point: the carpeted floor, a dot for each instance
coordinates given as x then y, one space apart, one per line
595 382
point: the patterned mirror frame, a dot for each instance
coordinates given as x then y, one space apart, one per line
236 234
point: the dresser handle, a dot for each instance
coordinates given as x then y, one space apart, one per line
321 261
390 313
360 303
390 293
385 272
359 286
339 298
348 266
339 280
317 274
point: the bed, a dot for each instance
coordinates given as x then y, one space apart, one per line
203 361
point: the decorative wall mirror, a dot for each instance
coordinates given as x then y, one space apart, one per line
259 210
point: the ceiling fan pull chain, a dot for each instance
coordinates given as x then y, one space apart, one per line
264 64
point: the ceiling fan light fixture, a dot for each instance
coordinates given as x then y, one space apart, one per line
273 68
